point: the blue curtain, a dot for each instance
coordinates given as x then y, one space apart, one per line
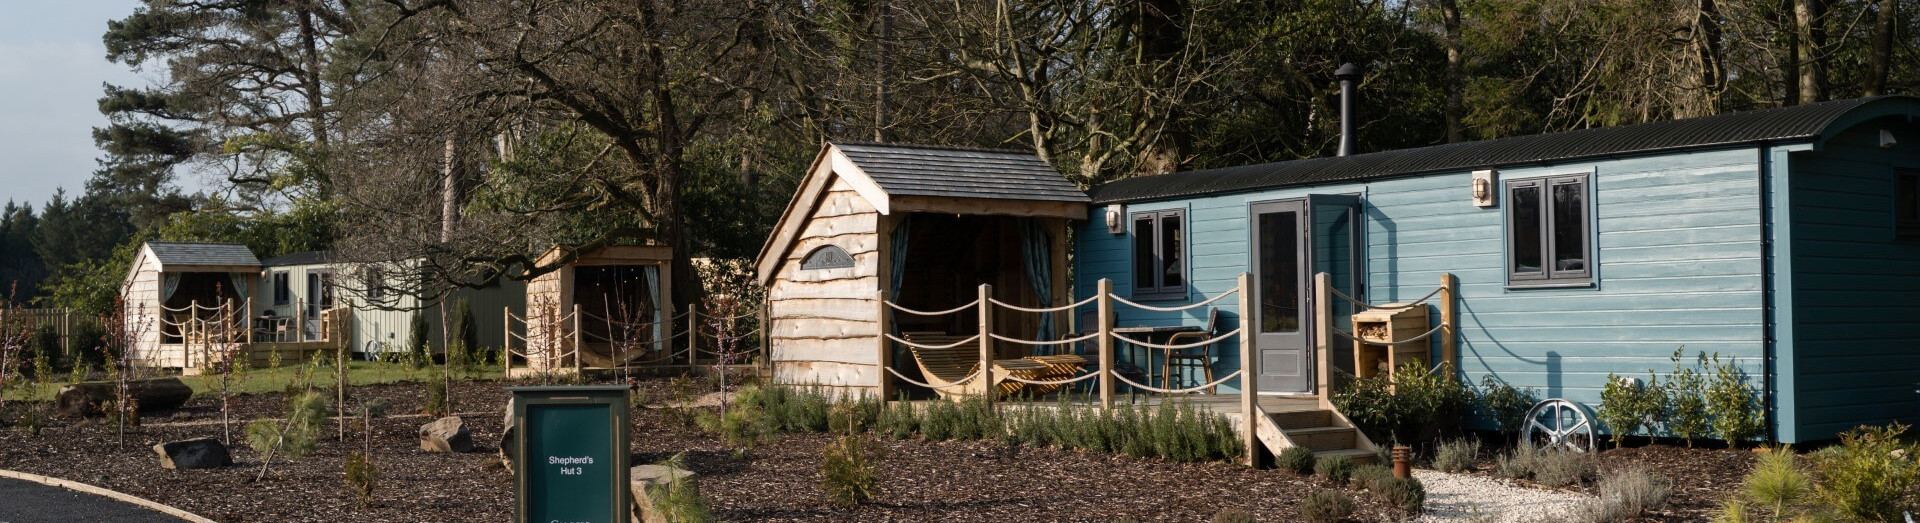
898 260
651 273
1036 244
239 280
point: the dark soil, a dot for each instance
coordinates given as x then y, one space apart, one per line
777 481
1702 477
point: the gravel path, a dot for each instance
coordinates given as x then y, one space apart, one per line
1460 497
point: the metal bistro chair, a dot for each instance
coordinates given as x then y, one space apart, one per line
1088 322
1201 356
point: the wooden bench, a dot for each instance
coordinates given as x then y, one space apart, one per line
944 366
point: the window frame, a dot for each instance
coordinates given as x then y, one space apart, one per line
1160 290
282 282
1905 229
1548 276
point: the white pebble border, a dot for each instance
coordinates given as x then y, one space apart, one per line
1461 497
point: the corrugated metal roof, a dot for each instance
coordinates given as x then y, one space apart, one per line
918 170
191 254
299 258
1781 125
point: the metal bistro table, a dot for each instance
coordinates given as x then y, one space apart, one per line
1163 332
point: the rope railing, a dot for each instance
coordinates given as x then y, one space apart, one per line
1356 301
1043 310
1202 343
1067 341
1422 336
1190 390
957 383
624 323
1190 306
915 312
896 339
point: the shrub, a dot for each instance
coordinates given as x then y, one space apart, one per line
306 416
1505 403
1518 464
938 421
466 337
898 421
436 398
1626 406
44 351
1625 495
1233 515
847 417
376 407
1371 476
417 340
678 499
1686 409
1456 455
1297 459
1736 414
1870 476
1776 481
361 477
1326 506
846 473
740 427
1405 405
1405 494
1337 468
1561 469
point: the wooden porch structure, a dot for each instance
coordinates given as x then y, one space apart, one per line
1270 423
210 334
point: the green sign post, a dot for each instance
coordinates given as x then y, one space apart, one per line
571 464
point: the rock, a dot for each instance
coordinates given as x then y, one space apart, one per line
507 446
448 434
640 477
197 453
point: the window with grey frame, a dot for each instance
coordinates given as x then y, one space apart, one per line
1548 242
282 290
1159 255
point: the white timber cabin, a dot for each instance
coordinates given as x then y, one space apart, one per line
926 226
181 295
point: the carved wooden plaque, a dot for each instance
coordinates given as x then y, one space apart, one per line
826 257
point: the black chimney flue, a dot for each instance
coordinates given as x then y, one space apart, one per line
1348 74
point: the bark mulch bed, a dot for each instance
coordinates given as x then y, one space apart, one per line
777 481
1702 477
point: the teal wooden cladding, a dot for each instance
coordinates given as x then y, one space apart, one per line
1856 300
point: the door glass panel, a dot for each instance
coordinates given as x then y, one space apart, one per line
1569 228
1143 263
1279 272
1170 252
1525 229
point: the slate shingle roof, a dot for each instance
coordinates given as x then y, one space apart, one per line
1782 125
188 253
917 170
299 258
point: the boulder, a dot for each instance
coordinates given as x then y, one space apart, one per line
641 477
448 434
197 453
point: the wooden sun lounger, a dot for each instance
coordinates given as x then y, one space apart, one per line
942 367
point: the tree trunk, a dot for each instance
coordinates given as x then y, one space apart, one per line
1790 57
1161 38
87 398
1808 21
310 76
1883 36
885 71
1704 72
450 190
1455 108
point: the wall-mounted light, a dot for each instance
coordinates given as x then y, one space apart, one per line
1886 139
1483 193
1116 219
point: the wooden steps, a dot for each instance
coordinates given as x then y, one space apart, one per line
1323 431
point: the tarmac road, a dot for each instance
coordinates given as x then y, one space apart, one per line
29 502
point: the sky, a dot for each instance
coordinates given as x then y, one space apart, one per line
52 65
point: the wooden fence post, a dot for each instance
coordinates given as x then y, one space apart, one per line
506 342
766 343
1448 351
1105 325
885 345
693 335
1249 373
576 340
986 342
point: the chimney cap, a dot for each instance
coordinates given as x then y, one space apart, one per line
1347 71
